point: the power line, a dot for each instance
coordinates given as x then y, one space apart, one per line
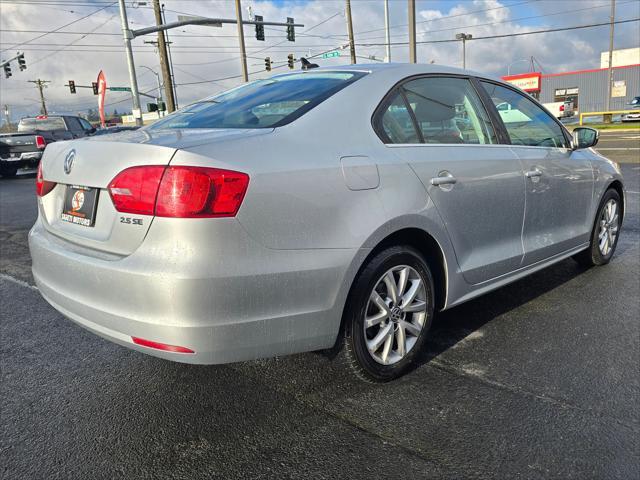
446 17
55 30
562 29
74 41
510 20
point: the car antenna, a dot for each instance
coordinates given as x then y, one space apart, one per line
307 65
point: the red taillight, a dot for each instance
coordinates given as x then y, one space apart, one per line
43 186
562 108
184 192
134 190
161 346
200 192
40 142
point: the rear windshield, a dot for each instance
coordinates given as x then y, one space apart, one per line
265 103
49 123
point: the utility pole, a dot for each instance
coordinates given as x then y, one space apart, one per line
412 31
464 37
128 36
610 85
243 50
386 29
164 60
41 84
352 44
173 75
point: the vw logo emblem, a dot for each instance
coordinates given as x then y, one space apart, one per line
68 161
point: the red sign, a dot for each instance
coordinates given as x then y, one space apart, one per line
102 91
529 82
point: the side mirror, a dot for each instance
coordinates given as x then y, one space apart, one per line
585 137
91 130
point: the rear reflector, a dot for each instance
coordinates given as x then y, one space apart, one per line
181 192
43 186
161 346
40 142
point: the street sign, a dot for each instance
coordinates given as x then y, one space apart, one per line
335 53
120 89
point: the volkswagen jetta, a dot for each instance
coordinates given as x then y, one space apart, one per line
336 206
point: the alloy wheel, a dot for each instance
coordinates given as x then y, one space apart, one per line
395 315
609 224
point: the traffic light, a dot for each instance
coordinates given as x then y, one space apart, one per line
22 63
72 86
7 70
94 85
162 106
291 33
152 107
259 28
290 61
267 64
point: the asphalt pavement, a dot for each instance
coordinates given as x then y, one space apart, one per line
539 379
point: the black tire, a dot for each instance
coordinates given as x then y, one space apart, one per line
8 172
593 256
354 350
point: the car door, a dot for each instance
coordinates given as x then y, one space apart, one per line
559 180
440 127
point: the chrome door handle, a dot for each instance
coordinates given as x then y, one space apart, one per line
533 173
444 178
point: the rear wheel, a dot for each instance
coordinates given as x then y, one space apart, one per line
604 237
388 314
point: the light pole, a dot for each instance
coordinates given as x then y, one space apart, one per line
464 37
133 81
387 34
157 78
514 62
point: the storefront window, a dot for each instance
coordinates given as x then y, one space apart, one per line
567 95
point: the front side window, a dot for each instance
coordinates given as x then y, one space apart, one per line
265 103
85 125
526 123
448 110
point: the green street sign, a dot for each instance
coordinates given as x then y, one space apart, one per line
120 89
335 53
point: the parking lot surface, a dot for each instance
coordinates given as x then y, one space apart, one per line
539 379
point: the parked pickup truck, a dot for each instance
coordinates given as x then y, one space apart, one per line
24 148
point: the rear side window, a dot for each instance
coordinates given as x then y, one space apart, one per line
73 123
265 103
396 122
47 124
526 123
446 110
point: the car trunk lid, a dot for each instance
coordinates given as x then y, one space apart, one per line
92 165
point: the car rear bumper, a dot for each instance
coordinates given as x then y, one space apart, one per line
22 160
280 303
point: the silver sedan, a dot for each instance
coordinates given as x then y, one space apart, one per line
331 208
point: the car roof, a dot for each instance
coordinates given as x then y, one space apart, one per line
403 69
